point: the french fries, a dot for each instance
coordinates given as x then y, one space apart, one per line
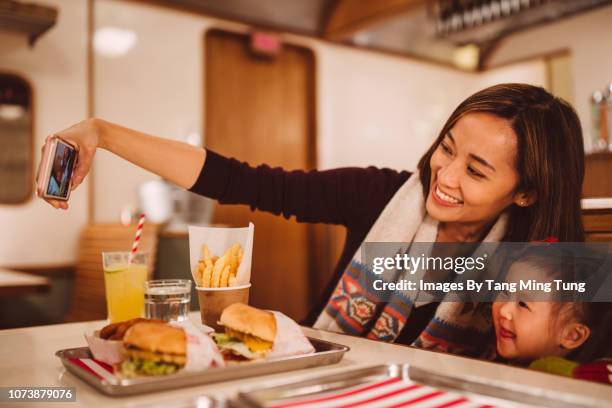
219 272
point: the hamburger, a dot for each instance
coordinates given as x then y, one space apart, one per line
249 332
153 348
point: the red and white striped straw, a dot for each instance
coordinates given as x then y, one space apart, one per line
137 238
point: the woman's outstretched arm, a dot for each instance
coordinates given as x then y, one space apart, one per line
346 196
174 161
177 162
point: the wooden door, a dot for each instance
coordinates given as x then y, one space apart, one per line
261 110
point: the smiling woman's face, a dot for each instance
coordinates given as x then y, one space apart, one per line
473 177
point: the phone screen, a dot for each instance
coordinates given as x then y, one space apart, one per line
61 170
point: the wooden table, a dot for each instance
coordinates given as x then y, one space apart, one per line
20 283
27 359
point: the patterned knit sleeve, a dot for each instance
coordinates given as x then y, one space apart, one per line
345 196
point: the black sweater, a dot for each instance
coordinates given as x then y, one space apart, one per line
352 197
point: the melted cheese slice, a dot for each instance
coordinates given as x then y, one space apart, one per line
253 343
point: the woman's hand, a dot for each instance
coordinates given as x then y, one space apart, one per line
172 160
85 136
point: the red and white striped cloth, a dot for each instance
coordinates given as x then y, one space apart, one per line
99 369
388 393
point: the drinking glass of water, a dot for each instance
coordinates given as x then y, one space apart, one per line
167 299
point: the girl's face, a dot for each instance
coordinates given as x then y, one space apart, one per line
527 330
524 330
473 176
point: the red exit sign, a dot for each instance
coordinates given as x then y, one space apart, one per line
265 43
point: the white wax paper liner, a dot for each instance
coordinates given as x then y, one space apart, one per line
220 240
107 351
289 339
202 352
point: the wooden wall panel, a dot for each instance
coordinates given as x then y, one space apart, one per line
598 175
89 298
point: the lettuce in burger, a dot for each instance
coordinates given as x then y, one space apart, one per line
153 349
249 332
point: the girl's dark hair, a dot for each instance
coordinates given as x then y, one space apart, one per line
598 317
549 160
576 265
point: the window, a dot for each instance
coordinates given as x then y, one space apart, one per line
16 140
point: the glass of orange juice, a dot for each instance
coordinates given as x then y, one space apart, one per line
124 283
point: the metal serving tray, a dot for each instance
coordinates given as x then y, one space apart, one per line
326 353
474 387
201 401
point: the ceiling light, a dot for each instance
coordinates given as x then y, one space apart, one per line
113 41
467 57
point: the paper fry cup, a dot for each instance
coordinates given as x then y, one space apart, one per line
214 300
219 240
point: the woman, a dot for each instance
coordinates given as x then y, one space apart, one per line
507 166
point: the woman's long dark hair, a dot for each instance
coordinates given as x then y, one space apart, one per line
549 160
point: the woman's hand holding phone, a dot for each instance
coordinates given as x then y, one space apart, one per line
175 161
84 137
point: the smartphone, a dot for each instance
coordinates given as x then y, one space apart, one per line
57 165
